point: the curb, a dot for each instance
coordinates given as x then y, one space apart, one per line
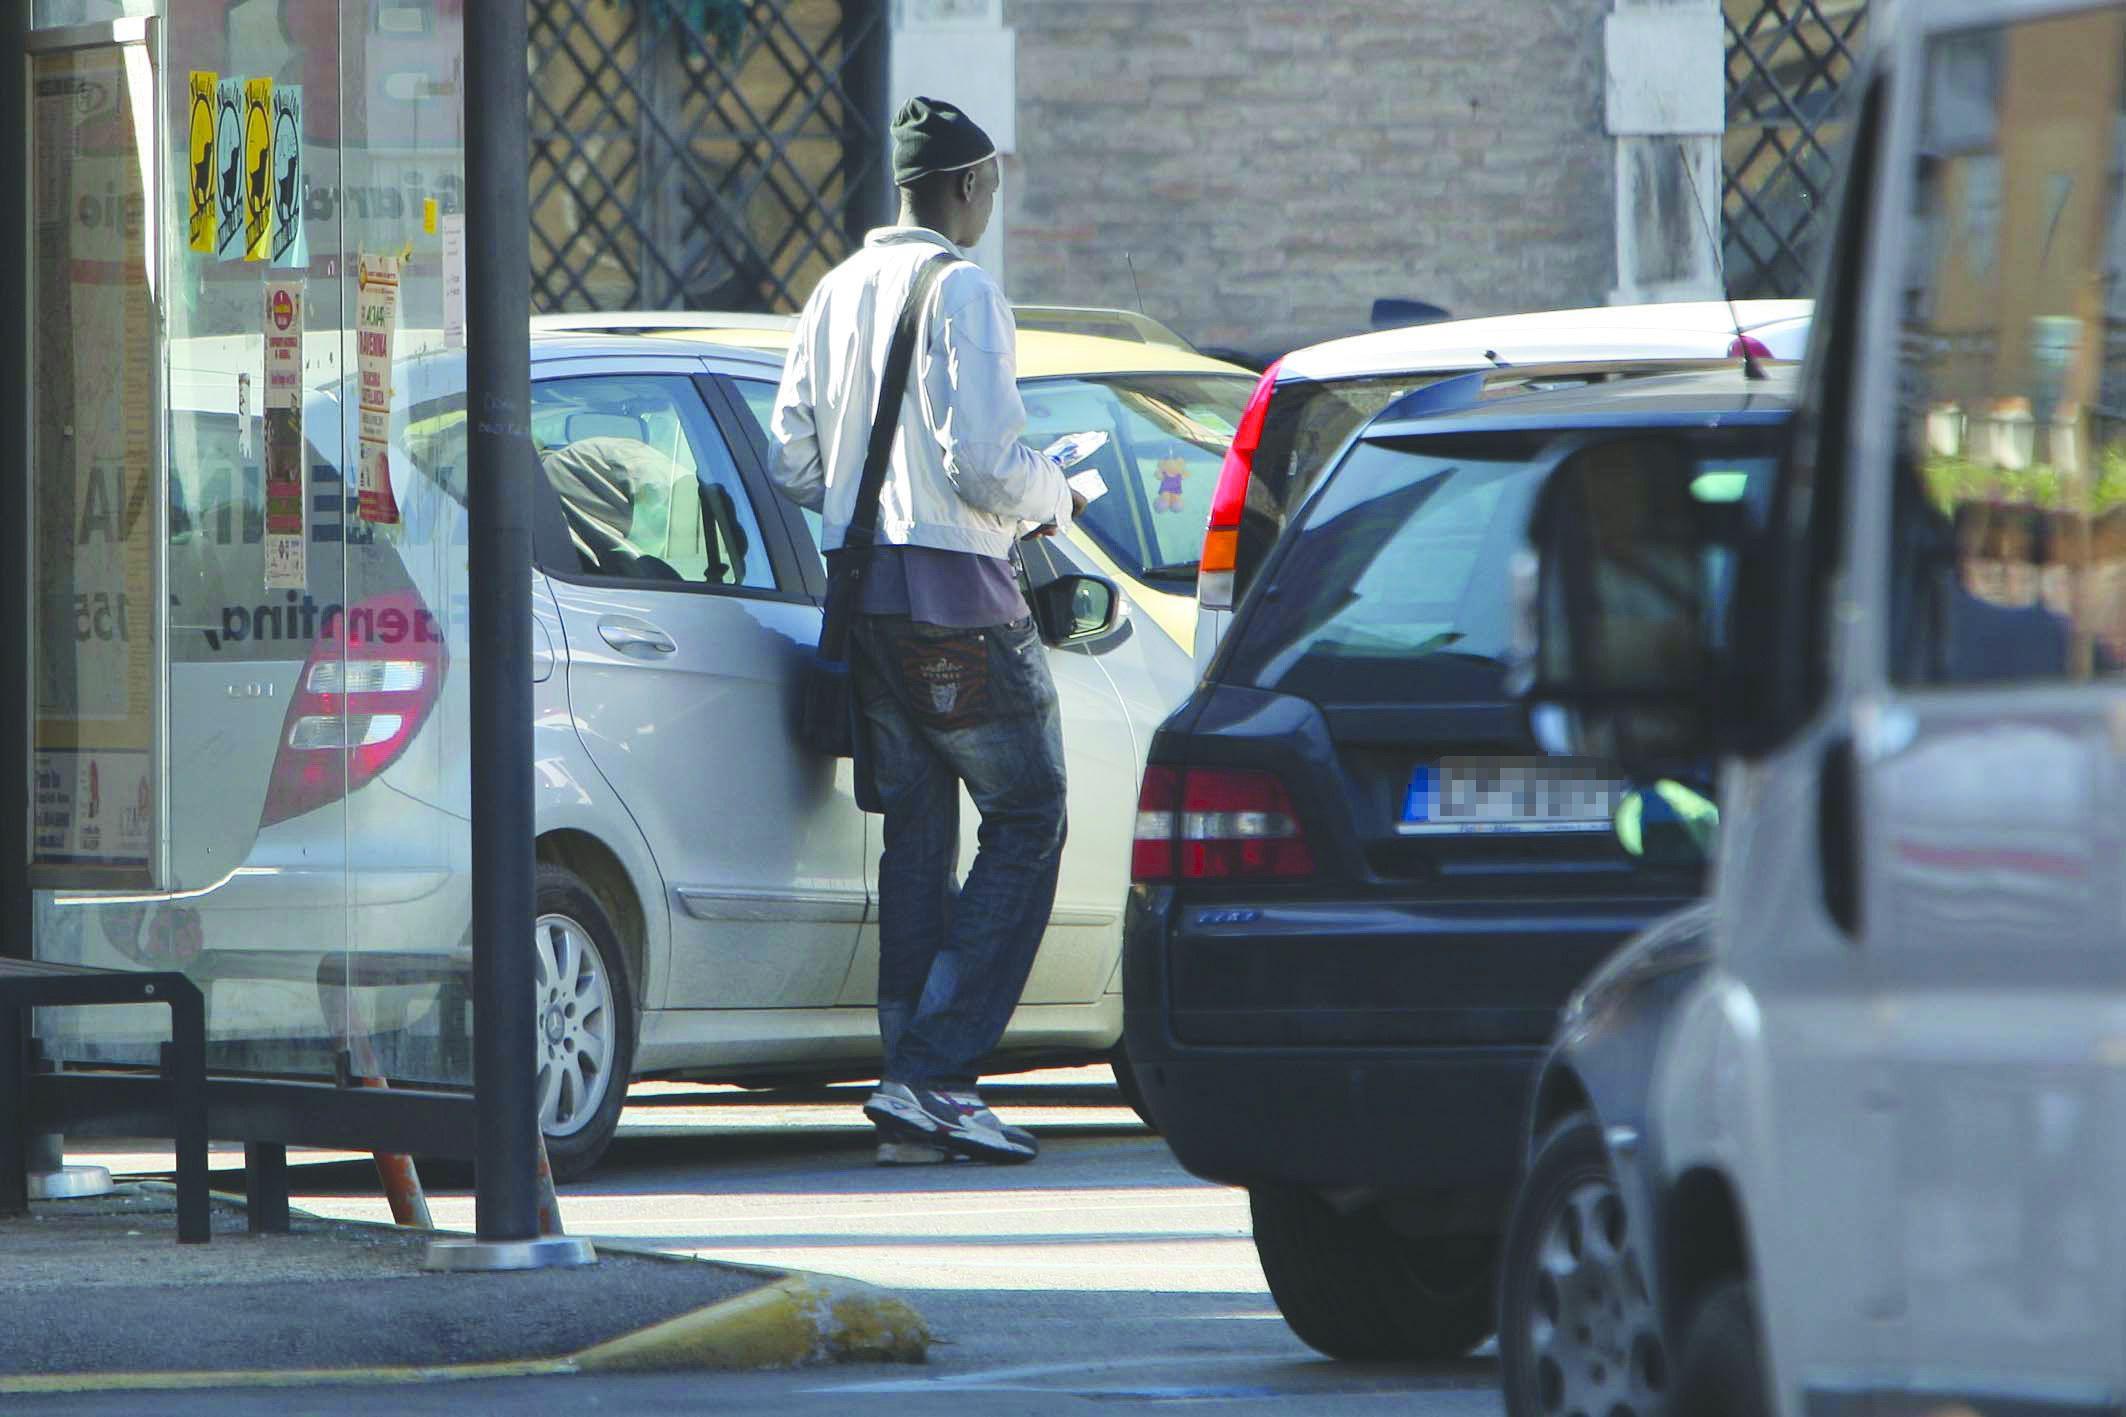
795 1319
799 1319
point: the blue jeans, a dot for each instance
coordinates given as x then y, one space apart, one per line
946 707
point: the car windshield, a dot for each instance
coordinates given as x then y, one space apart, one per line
1395 590
1167 436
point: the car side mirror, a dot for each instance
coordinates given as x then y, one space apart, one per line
1620 600
1074 609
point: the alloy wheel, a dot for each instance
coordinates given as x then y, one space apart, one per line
576 1042
1591 1328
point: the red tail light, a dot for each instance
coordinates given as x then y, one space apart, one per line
1747 345
373 676
1218 824
1221 540
1152 857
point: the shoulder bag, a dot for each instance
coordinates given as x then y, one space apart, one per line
827 717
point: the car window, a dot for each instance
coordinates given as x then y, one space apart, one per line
2009 509
1395 587
1167 436
647 487
1307 425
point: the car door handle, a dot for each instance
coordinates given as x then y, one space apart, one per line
641 641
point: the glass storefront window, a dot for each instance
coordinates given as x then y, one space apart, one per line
317 882
97 662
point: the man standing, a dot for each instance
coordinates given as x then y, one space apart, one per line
951 675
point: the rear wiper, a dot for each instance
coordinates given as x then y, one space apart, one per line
1171 571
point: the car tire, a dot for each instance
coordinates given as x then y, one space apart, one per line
586 1022
1352 1287
1721 1372
1578 1331
1126 1081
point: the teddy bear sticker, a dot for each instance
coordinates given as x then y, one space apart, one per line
1172 470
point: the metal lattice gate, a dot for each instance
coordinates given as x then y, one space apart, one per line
1787 63
702 154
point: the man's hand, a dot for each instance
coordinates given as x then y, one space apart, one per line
1078 504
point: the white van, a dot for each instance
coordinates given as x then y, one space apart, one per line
1854 1141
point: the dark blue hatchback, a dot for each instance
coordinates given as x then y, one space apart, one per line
1363 892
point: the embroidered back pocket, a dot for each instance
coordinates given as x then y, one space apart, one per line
947 677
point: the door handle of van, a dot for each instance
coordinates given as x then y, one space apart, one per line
637 640
1838 835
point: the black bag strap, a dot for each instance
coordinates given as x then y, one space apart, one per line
863 518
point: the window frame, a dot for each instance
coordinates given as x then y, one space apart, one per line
749 444
1789 582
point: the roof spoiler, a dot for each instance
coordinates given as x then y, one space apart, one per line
1460 391
1392 313
1456 392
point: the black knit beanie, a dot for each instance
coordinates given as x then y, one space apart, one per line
931 136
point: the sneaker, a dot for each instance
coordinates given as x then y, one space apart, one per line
958 1122
973 1102
912 1153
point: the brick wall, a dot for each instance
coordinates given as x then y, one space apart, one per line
1274 165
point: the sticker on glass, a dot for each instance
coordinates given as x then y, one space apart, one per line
258 169
453 230
376 318
286 500
200 226
290 248
229 169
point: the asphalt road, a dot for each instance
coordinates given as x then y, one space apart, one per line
1103 1274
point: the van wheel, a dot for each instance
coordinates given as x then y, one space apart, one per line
1351 1287
586 1022
1577 1327
1722 1369
1126 1080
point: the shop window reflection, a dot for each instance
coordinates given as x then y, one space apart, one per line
58 14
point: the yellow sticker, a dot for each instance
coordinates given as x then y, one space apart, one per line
428 216
200 170
258 169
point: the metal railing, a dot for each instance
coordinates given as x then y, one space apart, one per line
1787 65
677 163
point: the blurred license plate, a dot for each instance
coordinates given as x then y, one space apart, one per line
1509 795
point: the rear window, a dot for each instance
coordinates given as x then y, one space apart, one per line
1307 427
1307 424
1394 589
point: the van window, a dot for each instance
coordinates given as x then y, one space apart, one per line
2009 512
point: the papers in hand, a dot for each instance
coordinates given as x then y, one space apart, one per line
1073 448
1088 484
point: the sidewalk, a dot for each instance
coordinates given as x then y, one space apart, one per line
99 1294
